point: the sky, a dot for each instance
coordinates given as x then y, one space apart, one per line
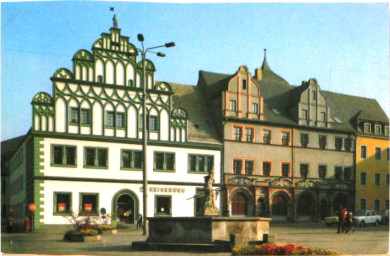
345 46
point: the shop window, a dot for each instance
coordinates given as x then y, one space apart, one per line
322 141
338 143
62 203
237 133
363 178
237 165
164 161
285 169
363 152
63 155
96 157
304 140
248 167
131 159
322 171
304 170
249 134
163 205
266 168
267 137
89 204
378 153
200 163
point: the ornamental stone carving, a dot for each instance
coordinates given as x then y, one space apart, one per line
281 182
305 184
241 181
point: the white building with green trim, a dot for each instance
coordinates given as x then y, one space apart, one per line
84 150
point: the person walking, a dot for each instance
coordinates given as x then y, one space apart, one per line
10 224
139 222
341 219
349 222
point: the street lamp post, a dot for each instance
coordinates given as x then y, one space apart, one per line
144 118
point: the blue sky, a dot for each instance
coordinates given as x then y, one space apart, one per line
344 46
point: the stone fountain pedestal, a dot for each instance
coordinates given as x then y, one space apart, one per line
203 233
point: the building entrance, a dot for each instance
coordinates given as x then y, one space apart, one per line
239 204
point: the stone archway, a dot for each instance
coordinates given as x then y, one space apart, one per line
305 207
125 207
241 203
279 206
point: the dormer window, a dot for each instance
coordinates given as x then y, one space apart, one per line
243 84
255 108
304 114
233 105
378 129
314 95
323 116
367 128
387 130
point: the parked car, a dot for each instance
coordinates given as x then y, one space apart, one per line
385 217
331 219
363 218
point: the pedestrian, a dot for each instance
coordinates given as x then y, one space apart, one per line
27 225
341 219
349 222
10 224
139 222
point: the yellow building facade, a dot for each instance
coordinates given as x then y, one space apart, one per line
372 172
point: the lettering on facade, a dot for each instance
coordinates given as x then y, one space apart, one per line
166 189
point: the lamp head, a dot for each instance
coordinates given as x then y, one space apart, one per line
171 44
140 37
161 54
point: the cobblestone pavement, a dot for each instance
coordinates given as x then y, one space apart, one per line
366 240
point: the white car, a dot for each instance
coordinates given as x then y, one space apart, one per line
363 218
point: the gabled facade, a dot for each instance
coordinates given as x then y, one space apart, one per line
86 142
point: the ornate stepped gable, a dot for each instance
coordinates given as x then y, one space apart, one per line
105 84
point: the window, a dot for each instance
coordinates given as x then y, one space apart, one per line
387 204
348 145
363 178
63 155
200 163
304 114
89 204
248 167
131 159
362 204
377 153
387 130
74 115
62 203
377 179
249 135
322 141
285 138
130 82
367 128
233 105
314 95
285 169
377 205
378 129
363 151
322 171
267 136
255 108
96 157
338 172
164 161
237 133
304 140
338 143
115 119
237 165
3 186
100 78
387 180
85 116
388 154
266 168
304 170
163 205
347 173
243 84
322 116
152 123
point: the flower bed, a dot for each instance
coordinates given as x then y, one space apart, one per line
82 235
289 249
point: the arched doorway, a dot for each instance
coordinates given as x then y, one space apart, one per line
262 207
279 207
239 204
125 207
304 207
340 199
